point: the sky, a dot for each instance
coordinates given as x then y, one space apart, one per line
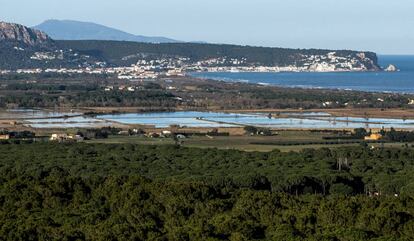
382 26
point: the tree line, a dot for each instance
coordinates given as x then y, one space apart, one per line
51 191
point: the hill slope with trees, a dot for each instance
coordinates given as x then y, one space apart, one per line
126 53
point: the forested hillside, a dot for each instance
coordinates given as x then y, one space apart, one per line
126 53
129 192
18 55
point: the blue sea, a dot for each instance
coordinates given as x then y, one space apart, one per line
400 82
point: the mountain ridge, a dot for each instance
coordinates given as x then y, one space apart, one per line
78 30
19 33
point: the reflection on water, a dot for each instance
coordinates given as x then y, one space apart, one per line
309 123
306 120
37 118
33 113
165 119
303 114
67 122
285 120
57 125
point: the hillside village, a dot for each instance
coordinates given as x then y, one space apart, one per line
153 68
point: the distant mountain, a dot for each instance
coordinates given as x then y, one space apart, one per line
76 30
12 32
23 47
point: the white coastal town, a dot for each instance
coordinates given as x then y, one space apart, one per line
179 66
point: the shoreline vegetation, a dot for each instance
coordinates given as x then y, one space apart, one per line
185 93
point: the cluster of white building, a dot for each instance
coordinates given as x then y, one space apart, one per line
123 88
311 63
65 137
177 66
47 55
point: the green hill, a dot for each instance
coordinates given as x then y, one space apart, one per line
126 53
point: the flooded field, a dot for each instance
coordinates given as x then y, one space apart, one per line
310 120
288 120
165 119
39 118
68 122
15 114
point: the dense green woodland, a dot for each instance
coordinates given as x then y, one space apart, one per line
85 94
90 99
131 192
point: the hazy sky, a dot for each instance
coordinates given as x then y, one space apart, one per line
384 26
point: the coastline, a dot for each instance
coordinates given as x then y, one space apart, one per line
361 81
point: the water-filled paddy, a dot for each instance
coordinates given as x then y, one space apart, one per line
305 120
33 113
288 120
67 122
165 119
